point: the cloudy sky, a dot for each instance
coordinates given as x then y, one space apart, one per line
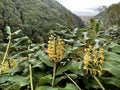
85 5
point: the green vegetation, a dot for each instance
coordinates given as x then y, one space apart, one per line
81 59
34 17
111 15
70 59
110 20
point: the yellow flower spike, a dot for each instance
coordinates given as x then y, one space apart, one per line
93 59
51 47
86 59
13 63
5 68
55 52
55 48
59 48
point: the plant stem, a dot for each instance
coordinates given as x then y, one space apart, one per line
6 52
54 71
31 81
30 68
73 81
98 82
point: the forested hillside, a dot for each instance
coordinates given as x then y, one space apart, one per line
111 15
110 19
34 17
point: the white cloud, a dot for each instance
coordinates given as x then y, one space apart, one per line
85 5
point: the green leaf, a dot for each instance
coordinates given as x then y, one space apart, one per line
14 69
12 87
114 47
46 88
75 66
20 67
69 87
111 68
38 64
20 41
44 58
8 31
111 80
25 53
16 32
70 41
63 68
58 79
112 56
67 52
45 79
19 80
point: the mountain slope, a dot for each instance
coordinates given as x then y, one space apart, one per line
111 16
34 17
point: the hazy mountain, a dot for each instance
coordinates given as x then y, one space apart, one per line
86 19
34 17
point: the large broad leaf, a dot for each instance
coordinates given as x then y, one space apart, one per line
111 80
67 52
37 63
69 87
43 57
14 69
46 88
20 67
26 52
75 66
58 79
45 79
20 41
18 80
114 47
21 54
63 68
12 87
111 68
111 56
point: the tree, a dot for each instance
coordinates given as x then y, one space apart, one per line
33 16
101 9
113 13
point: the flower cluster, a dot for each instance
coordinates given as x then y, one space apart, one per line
7 66
55 48
93 59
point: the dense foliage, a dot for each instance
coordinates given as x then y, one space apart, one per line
81 59
71 59
110 20
111 15
34 17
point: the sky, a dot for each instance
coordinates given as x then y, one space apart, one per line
86 5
